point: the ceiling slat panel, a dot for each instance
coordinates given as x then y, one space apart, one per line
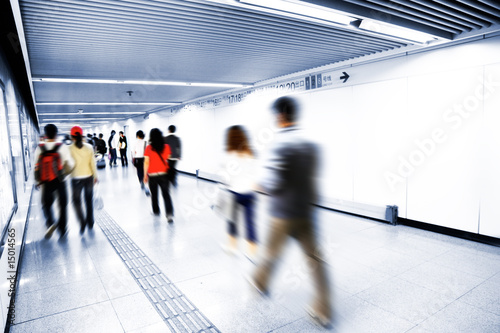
495 13
189 26
80 26
442 12
51 34
416 15
423 19
457 10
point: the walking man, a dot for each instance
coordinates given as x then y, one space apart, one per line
290 181
174 143
112 144
122 142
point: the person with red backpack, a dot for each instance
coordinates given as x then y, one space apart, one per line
52 158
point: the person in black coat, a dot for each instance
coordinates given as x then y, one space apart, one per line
175 148
123 148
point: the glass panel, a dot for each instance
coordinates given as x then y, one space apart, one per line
6 184
15 143
25 142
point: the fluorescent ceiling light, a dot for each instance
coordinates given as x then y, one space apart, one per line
104 103
84 113
303 9
395 31
152 83
66 119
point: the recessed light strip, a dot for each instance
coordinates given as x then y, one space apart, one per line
313 13
152 83
66 119
105 103
107 114
305 10
395 31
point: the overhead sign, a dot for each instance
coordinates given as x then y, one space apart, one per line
344 77
310 82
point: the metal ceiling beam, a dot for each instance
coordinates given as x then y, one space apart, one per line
429 15
440 11
473 13
491 9
384 16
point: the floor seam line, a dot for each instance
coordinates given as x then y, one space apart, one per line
60 312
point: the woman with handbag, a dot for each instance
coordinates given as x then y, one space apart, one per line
241 166
155 172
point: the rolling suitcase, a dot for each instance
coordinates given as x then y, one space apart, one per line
100 161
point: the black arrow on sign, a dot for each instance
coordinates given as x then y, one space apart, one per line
344 77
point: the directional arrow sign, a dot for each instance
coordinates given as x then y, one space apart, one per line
344 77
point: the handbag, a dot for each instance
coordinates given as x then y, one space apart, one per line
224 203
98 202
164 163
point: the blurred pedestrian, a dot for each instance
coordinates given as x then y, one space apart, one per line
112 144
100 152
95 140
174 143
52 158
90 141
155 172
241 165
122 143
84 176
290 181
138 156
101 145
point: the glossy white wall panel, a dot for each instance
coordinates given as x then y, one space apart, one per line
473 54
443 187
327 119
379 111
384 70
206 135
193 142
489 170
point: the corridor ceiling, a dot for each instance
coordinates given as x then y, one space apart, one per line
217 42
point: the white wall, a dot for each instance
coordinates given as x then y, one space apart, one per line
419 131
489 169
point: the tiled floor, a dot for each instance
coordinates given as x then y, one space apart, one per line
384 278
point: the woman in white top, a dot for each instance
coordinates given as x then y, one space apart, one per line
138 156
84 176
241 167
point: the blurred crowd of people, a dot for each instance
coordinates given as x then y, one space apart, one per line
288 177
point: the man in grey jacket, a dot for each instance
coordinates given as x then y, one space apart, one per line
175 154
290 173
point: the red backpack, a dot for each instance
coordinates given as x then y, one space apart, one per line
49 165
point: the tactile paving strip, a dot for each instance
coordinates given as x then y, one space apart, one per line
177 311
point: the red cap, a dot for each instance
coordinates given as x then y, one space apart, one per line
76 129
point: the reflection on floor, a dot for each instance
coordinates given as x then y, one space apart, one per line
384 278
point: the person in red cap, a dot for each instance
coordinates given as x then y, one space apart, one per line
84 176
